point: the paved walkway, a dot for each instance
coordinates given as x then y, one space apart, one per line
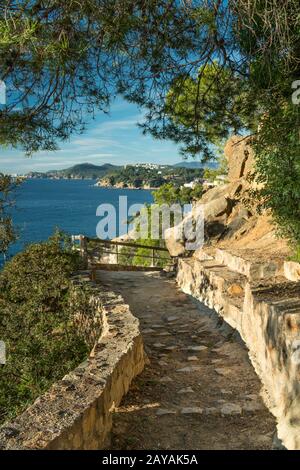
199 390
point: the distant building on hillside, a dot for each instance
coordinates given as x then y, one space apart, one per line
147 166
193 183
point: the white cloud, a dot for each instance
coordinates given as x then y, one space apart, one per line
116 125
92 142
115 139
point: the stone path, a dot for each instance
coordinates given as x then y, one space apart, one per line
199 390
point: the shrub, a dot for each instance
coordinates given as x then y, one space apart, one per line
36 323
278 170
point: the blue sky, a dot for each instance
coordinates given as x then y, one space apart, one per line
108 139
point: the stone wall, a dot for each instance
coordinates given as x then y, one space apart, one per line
271 330
267 316
76 413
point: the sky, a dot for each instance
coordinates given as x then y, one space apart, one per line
114 139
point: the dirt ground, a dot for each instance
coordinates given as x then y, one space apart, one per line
199 390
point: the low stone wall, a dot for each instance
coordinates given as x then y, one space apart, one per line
76 413
268 320
271 330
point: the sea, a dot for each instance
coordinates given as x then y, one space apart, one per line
42 205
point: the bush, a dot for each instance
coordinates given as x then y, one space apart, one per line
36 323
171 194
278 170
296 254
143 256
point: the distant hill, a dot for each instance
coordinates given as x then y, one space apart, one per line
195 165
150 176
90 171
81 171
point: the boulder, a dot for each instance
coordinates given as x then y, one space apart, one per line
221 207
214 213
230 190
237 219
216 208
174 245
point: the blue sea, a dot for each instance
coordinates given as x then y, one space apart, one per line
44 204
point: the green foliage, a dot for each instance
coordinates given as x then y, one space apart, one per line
140 176
37 322
38 264
61 61
161 260
296 254
143 256
278 169
52 57
170 194
7 232
269 39
238 79
209 105
201 69
167 194
211 174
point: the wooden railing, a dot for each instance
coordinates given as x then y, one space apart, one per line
98 253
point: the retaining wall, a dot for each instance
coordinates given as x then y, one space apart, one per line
268 320
76 412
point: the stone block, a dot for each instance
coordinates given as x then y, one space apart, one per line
292 270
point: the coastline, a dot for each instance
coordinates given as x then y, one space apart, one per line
145 188
70 204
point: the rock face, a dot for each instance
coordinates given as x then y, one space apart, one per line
229 215
215 207
239 156
219 206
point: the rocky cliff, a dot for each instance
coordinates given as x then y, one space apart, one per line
231 218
